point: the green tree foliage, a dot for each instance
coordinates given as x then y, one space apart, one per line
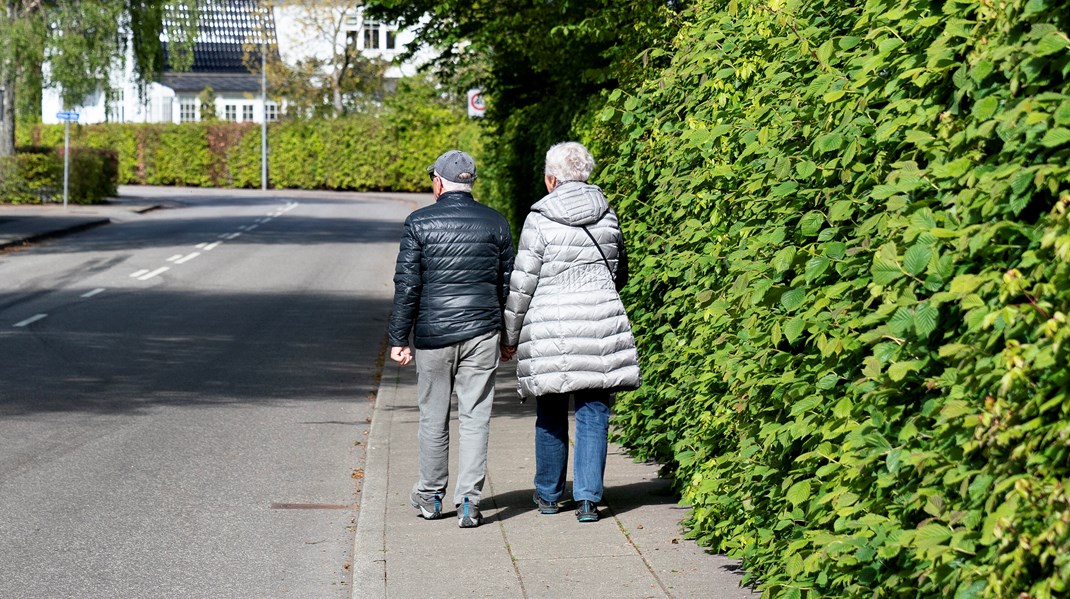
84 41
206 105
541 65
850 224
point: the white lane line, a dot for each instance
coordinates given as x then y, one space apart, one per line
251 227
291 207
139 273
175 257
233 236
158 271
244 227
93 292
200 246
211 246
187 258
263 220
31 320
223 235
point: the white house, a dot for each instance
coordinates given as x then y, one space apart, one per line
229 36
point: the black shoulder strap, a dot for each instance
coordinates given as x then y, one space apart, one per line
597 247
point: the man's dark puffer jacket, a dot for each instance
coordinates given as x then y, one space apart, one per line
452 274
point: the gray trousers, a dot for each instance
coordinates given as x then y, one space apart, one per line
467 368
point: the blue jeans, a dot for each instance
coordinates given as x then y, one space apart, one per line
551 444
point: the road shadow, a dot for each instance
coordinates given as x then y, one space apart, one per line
122 354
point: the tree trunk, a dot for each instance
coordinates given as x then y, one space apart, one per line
7 113
7 89
336 91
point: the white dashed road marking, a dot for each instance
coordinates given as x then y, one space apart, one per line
93 292
211 246
158 271
137 274
31 320
186 259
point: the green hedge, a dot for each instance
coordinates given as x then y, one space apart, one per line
388 150
851 287
35 175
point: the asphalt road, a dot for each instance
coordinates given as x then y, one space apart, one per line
184 397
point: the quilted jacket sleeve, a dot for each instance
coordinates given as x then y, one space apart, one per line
407 287
525 278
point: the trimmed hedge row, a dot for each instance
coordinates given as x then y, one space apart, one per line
851 230
388 151
35 175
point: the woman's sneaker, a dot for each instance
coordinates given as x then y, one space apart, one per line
468 515
430 508
586 511
545 507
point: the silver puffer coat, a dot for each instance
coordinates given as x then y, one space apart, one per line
563 312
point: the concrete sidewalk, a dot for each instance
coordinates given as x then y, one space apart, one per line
636 550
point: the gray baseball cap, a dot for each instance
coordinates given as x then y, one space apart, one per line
455 166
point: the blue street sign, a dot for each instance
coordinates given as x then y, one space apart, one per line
67 116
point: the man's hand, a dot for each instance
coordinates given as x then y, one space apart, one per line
508 351
402 355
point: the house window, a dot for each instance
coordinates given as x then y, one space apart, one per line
164 107
230 112
115 112
187 110
371 35
272 110
391 39
247 112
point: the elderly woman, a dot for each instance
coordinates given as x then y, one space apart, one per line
567 326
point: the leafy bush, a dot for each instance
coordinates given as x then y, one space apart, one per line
850 225
35 175
30 178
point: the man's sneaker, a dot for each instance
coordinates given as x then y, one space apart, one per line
586 511
545 507
430 508
468 515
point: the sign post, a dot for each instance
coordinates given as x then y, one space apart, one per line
476 106
66 117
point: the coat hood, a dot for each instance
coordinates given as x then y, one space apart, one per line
574 203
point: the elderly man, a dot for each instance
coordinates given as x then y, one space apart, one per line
450 287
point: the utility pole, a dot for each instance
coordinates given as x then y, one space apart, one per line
263 111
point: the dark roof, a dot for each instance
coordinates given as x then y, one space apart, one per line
219 82
229 35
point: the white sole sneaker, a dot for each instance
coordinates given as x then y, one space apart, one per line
429 509
468 515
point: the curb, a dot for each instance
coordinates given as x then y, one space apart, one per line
54 234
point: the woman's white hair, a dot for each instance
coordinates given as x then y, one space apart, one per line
569 161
